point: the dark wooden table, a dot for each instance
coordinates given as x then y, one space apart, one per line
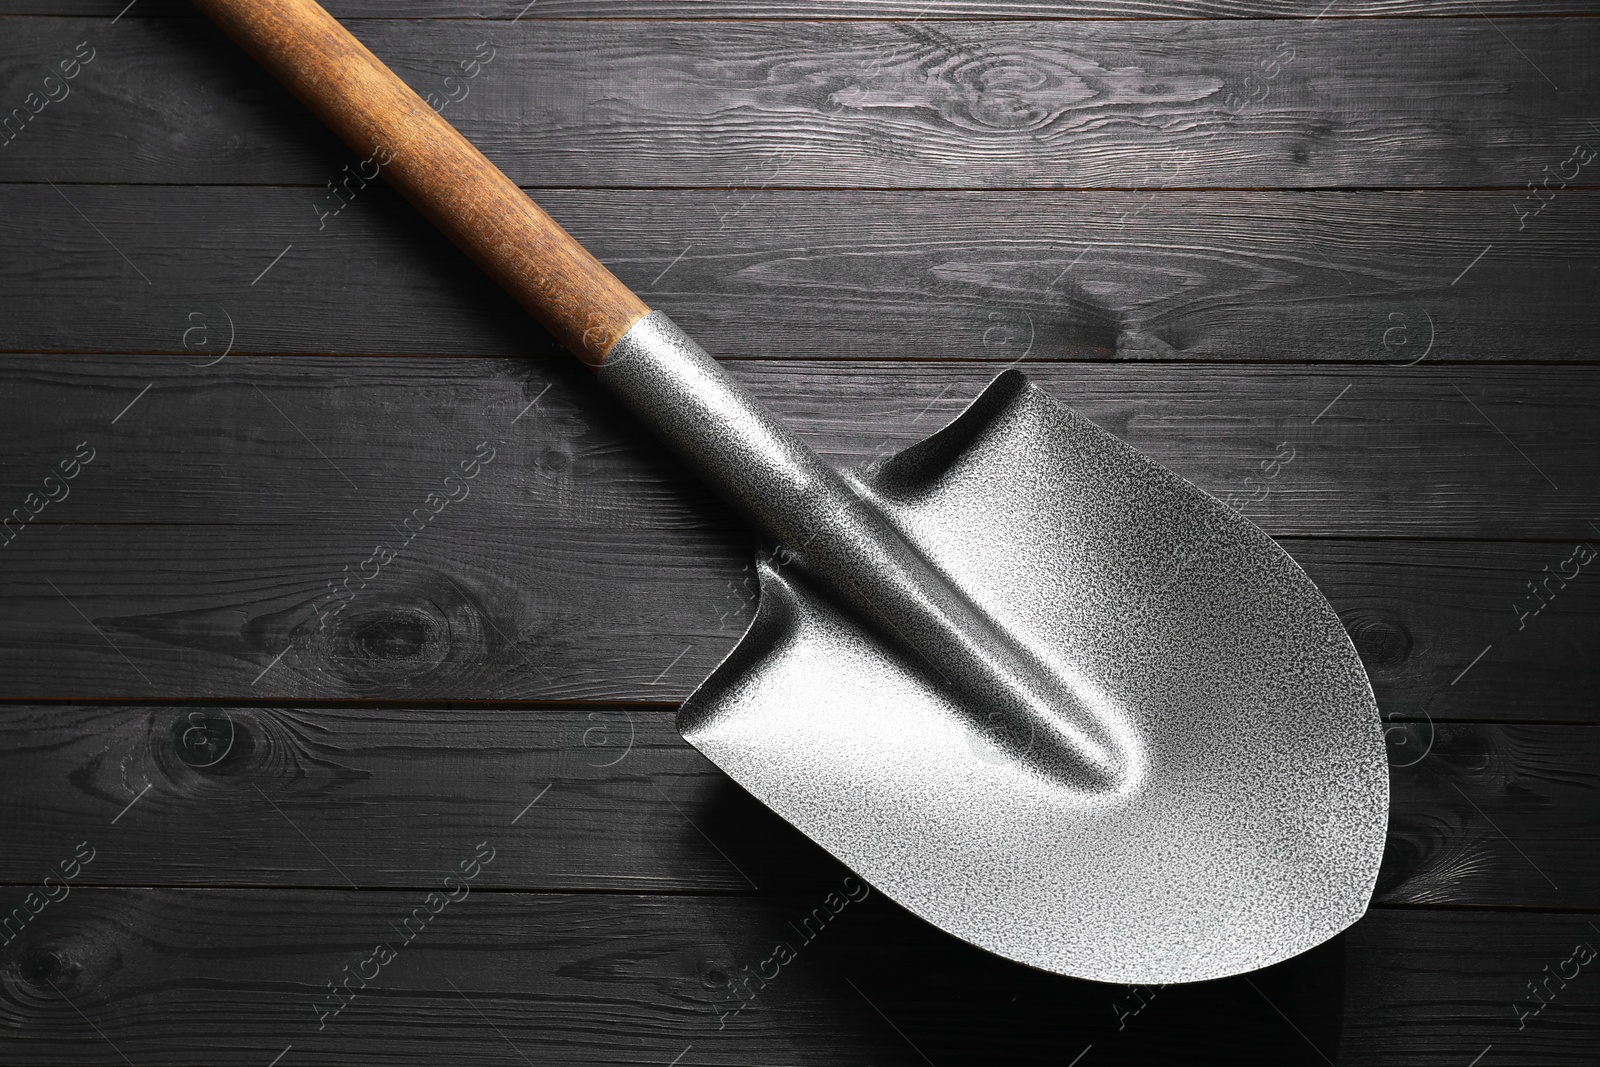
1337 263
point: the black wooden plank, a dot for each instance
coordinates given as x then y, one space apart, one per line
1398 1011
1361 103
610 798
353 445
192 977
1380 278
1451 631
1509 799
544 613
921 11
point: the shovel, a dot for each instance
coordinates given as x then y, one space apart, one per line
1035 687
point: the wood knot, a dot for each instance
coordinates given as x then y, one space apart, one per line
1008 94
212 741
414 638
1382 640
975 86
400 645
393 635
713 975
51 962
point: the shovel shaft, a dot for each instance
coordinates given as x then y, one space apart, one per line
467 197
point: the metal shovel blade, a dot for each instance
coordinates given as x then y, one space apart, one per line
1247 821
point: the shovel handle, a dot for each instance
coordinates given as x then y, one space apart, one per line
467 197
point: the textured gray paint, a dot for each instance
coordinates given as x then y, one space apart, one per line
1042 691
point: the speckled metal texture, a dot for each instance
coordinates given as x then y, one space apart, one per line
1039 689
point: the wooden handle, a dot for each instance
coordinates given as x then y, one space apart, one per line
437 169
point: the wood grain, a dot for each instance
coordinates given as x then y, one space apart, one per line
1377 278
839 197
609 798
929 11
196 976
1397 1010
1362 104
644 614
1419 452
